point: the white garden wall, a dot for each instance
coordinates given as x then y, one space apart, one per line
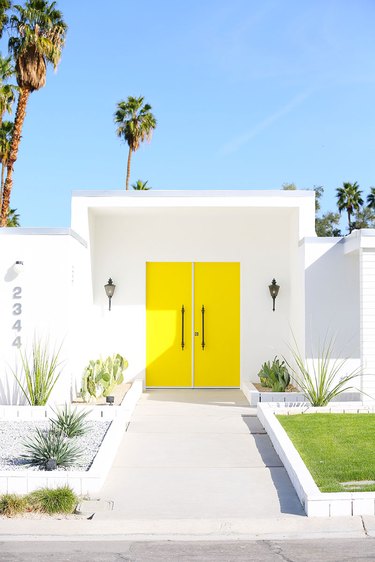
340 301
46 299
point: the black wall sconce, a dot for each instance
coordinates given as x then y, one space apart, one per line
109 291
274 291
18 266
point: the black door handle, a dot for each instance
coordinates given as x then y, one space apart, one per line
203 342
182 327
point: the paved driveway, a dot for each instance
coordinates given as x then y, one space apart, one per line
198 454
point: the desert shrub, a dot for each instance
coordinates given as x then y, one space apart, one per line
50 445
70 422
58 500
12 504
39 372
274 375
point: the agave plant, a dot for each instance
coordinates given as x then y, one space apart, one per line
70 422
50 445
274 375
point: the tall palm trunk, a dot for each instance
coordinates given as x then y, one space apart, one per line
2 182
14 146
349 222
128 169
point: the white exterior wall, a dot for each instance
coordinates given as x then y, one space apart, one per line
327 285
52 290
362 244
239 235
367 261
332 286
261 230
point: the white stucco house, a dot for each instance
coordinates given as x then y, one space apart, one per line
192 270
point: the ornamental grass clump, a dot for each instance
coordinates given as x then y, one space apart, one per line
50 445
45 500
40 373
48 500
70 422
320 378
12 504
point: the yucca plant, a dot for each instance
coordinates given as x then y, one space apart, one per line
320 379
50 445
57 500
40 372
70 422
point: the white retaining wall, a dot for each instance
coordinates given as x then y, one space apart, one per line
82 482
314 502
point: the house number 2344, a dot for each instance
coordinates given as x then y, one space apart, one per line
17 313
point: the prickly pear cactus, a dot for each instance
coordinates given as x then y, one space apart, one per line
100 377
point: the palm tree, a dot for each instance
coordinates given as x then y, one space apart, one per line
371 198
349 199
38 38
6 131
4 7
13 218
7 91
141 185
135 124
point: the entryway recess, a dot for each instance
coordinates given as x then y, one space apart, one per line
193 324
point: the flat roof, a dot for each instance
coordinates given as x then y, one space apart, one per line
196 193
41 231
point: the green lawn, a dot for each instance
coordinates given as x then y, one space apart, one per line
335 448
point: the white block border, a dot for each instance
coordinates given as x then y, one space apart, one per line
289 398
82 482
314 502
254 396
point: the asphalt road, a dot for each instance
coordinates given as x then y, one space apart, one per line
328 550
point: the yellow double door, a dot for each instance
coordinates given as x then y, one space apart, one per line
193 324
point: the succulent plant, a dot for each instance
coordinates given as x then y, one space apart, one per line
100 376
274 375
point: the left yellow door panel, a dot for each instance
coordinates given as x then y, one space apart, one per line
168 321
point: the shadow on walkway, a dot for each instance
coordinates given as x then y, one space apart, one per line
287 496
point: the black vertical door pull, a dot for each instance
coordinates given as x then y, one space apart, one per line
182 327
203 342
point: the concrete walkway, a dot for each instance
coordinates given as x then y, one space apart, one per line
197 454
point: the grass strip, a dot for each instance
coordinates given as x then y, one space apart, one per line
336 448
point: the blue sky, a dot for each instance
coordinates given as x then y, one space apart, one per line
248 95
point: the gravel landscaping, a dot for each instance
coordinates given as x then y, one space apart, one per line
14 433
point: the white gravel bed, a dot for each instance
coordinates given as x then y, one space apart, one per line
14 433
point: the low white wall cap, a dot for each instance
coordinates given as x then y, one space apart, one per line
21 231
197 193
360 239
322 240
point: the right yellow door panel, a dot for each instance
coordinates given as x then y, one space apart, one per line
217 324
